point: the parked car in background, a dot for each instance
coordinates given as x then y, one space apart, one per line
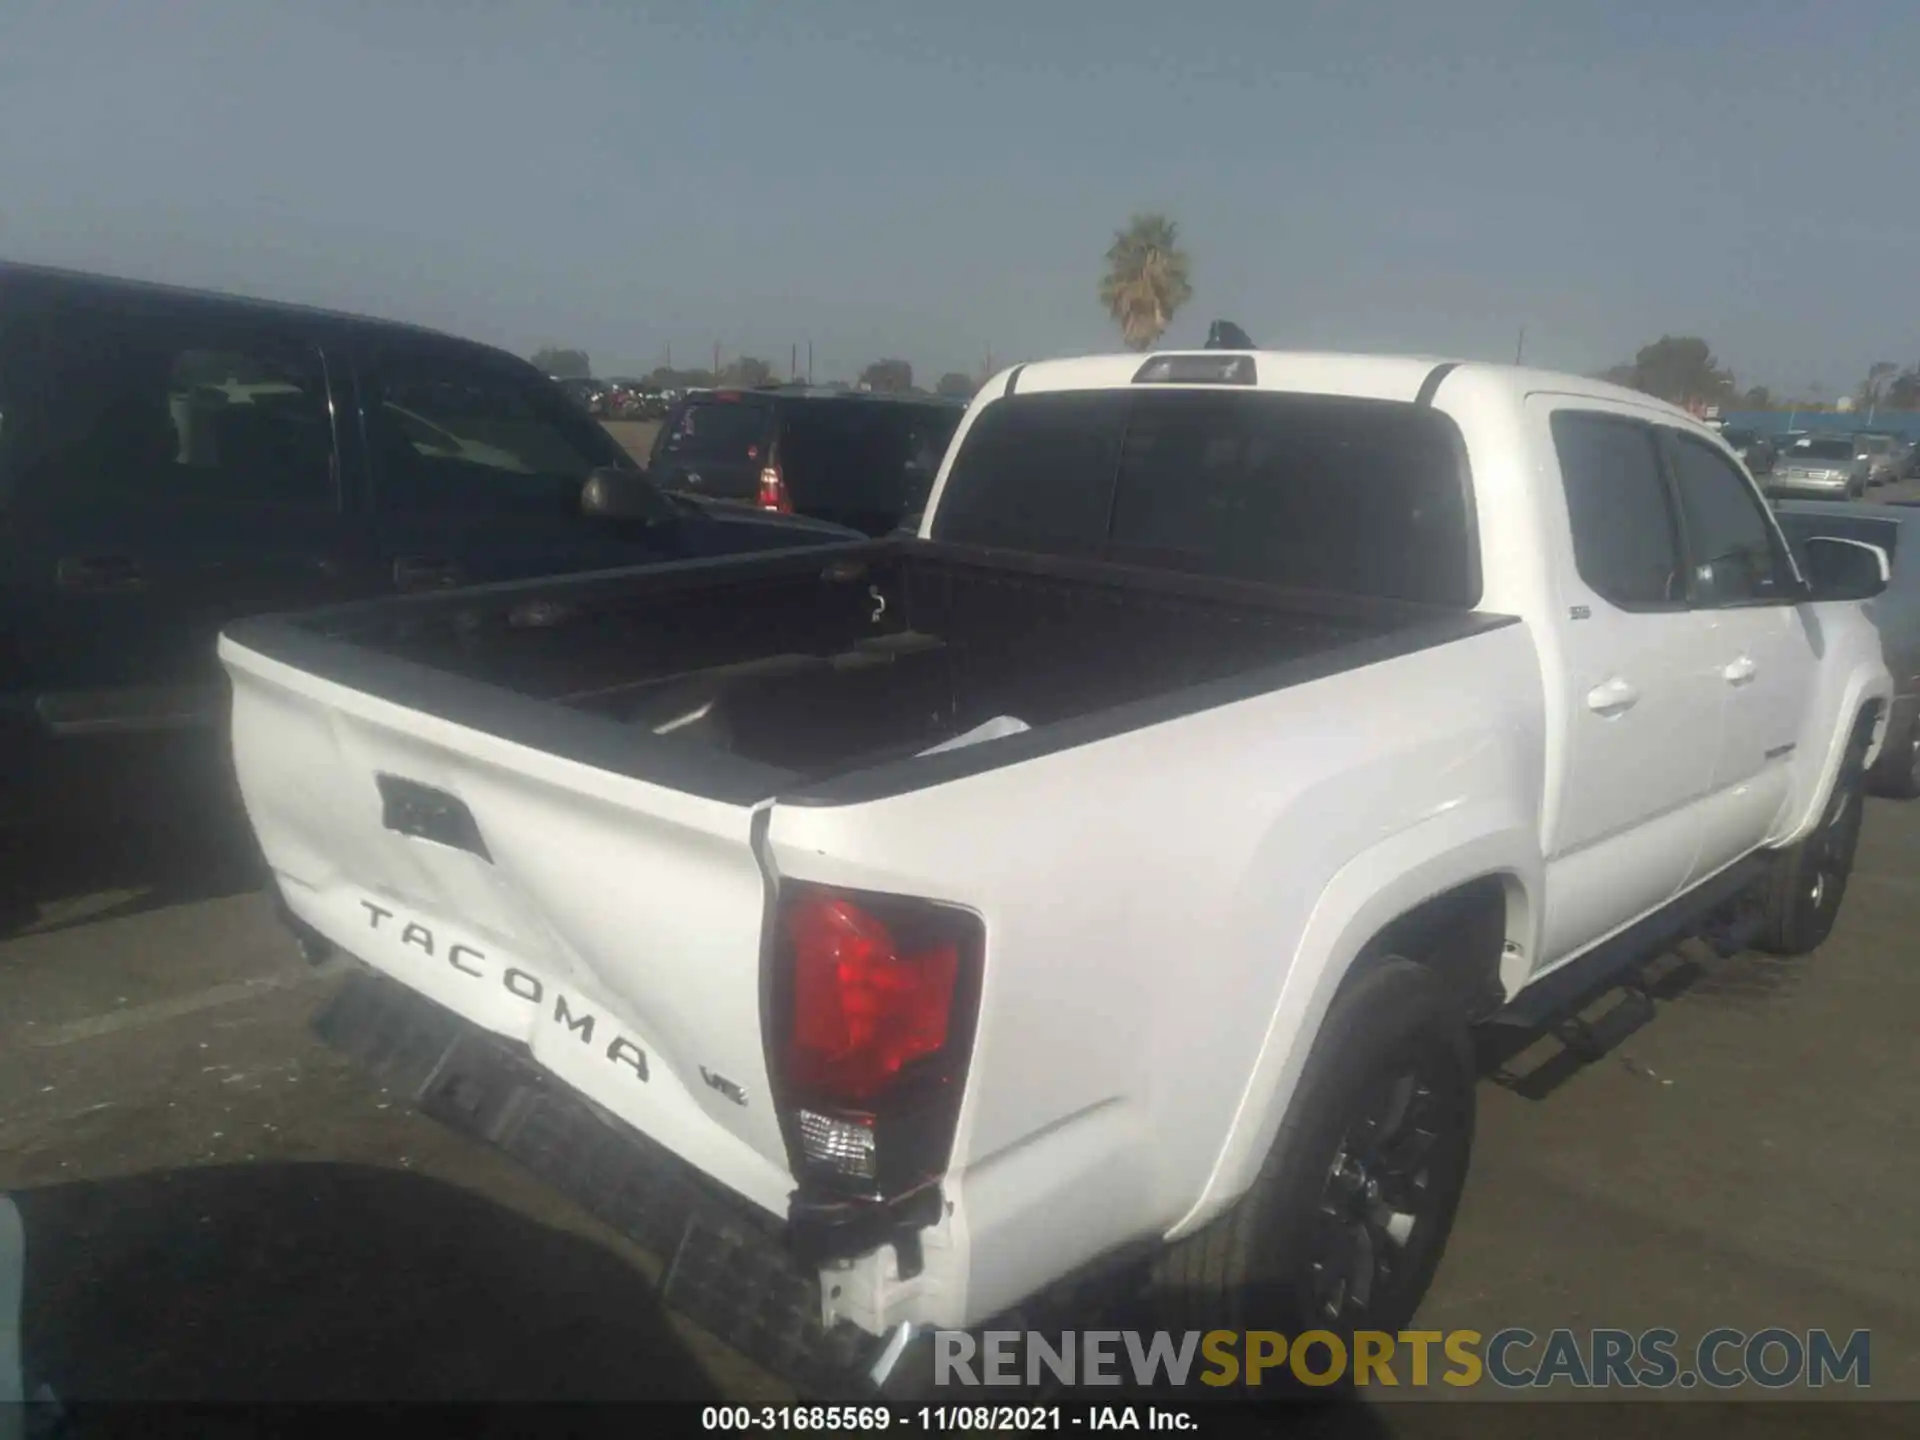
579 389
1895 612
853 458
1883 454
1821 466
633 400
171 460
1755 450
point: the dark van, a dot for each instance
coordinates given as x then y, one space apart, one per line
171 460
863 460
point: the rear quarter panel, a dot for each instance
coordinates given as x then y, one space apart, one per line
1163 914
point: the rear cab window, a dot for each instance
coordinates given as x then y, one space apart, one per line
1318 492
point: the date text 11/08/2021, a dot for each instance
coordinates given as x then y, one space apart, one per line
939 1419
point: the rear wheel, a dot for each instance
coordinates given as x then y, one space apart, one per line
1810 878
1345 1224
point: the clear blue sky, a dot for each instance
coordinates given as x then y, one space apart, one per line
937 180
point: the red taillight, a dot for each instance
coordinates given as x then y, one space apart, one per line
773 491
863 1009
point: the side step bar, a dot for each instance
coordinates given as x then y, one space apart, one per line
1721 910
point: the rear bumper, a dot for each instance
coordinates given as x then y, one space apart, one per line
728 1267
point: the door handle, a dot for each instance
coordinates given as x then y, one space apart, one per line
1741 671
100 574
1612 697
413 572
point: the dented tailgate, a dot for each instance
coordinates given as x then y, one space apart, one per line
609 923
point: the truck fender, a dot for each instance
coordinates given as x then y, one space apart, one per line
1365 895
1864 685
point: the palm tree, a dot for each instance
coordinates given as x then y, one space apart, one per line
1147 279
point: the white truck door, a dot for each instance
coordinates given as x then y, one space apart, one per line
1741 585
1642 709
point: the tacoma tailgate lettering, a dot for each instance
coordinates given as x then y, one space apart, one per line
570 1015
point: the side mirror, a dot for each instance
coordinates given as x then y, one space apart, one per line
1845 569
612 493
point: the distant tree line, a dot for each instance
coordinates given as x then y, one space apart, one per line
1682 369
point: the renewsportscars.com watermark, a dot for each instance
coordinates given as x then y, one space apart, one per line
1513 1359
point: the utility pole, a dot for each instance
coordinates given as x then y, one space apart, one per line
809 362
716 362
669 355
793 362
1520 345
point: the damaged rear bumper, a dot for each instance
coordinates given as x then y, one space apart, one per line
728 1267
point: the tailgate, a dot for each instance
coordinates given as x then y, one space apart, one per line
611 924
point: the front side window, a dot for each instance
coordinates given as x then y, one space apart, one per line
1735 557
448 435
1624 543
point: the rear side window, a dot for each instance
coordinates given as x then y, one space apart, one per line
1624 542
171 411
1313 492
1735 557
1036 472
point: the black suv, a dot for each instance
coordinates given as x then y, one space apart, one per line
171 460
851 457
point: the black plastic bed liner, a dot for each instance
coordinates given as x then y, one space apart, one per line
826 676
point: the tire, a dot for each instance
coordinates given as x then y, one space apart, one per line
1809 878
1896 774
1393 1045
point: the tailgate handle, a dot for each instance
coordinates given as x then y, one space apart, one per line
410 808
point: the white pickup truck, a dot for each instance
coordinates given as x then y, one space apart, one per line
1100 881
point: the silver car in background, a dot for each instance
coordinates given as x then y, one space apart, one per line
1884 455
1827 467
1895 612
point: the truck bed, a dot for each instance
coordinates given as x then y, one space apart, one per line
800 666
